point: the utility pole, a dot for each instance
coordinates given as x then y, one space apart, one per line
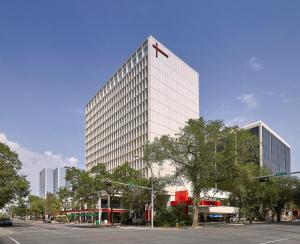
152 203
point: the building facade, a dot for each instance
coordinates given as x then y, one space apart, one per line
275 153
46 182
153 93
59 180
51 180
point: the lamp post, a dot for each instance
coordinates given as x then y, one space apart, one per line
152 203
99 209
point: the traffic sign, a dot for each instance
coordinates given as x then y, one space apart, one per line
280 173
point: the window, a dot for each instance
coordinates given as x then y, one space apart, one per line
129 64
145 50
134 61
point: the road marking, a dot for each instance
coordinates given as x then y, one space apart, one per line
12 239
273 241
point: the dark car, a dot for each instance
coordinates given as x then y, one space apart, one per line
5 222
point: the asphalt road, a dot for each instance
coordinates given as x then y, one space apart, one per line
31 233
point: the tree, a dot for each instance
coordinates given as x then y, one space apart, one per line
36 206
63 195
102 176
285 192
12 185
206 153
86 186
85 189
133 198
249 194
52 206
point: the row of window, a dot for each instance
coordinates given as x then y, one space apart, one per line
128 85
118 98
113 141
130 110
130 152
116 127
276 155
127 67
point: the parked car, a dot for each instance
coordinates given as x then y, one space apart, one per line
61 218
5 221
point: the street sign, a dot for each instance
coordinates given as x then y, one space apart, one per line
280 173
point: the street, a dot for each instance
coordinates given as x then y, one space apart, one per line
31 233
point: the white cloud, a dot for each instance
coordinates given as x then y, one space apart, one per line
255 64
33 162
249 100
72 160
289 99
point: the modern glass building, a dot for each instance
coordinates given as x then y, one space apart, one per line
46 182
275 153
59 180
153 93
51 180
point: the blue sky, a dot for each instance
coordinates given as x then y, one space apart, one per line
55 55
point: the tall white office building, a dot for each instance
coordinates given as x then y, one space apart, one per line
46 182
153 93
59 180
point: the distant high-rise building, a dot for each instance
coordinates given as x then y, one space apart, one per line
59 181
51 180
153 93
275 153
46 182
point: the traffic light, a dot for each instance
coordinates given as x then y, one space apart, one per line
263 179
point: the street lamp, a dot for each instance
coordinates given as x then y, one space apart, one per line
99 209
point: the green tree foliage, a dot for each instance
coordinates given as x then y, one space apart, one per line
36 206
52 205
87 185
249 194
135 198
124 174
286 190
206 153
63 195
85 189
12 185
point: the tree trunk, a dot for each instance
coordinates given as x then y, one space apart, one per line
250 217
278 212
111 216
196 215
